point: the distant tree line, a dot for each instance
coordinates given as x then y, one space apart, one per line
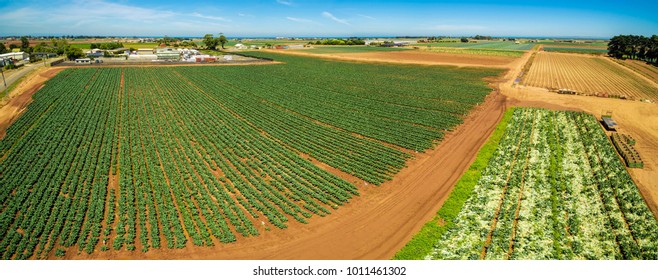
634 47
106 46
335 42
480 37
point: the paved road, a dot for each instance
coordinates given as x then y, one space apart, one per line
14 75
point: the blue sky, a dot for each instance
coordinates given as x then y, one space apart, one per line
328 18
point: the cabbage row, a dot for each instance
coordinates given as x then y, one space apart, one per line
554 189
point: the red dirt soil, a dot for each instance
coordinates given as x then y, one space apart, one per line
416 57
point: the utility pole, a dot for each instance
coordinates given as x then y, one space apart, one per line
3 76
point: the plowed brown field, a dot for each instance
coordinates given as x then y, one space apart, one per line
588 75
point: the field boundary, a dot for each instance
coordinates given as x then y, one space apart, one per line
422 242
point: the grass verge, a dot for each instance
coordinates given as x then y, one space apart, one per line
423 242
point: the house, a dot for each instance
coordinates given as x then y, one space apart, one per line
83 61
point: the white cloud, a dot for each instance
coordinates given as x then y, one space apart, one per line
209 17
332 17
302 20
284 2
105 18
366 16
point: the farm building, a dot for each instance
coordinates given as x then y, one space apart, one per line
143 57
167 54
83 61
44 54
396 44
566 91
144 51
14 55
609 123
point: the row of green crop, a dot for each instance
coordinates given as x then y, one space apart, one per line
139 158
422 242
187 168
553 190
55 171
405 106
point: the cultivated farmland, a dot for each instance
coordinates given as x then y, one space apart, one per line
141 158
589 75
347 49
553 189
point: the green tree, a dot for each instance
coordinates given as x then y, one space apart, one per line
464 40
210 41
73 52
25 44
222 40
3 49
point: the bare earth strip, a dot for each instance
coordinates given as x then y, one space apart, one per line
417 57
589 75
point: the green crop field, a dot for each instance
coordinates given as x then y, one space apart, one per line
554 188
143 158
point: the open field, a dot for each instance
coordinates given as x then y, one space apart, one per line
220 162
417 57
470 51
554 189
347 49
589 75
647 70
497 45
576 50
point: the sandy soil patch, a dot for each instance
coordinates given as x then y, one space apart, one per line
417 57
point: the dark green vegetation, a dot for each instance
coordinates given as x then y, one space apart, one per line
634 47
421 244
140 158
